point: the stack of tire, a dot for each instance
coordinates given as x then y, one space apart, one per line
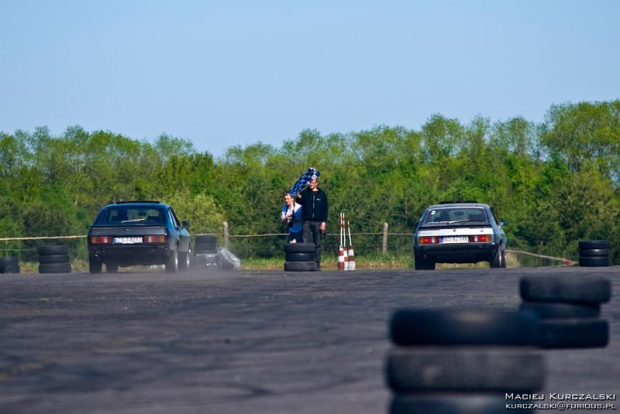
569 308
462 361
300 257
593 253
205 252
54 259
9 265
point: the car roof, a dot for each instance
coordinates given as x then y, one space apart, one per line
137 204
452 205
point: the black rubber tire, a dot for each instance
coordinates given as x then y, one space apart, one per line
593 244
172 264
452 404
7 263
48 250
111 267
423 264
300 266
207 239
94 265
574 333
54 258
11 269
205 248
300 257
565 288
300 248
464 327
468 369
594 261
55 268
594 253
562 310
499 259
184 261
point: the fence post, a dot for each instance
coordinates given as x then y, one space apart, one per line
385 237
226 234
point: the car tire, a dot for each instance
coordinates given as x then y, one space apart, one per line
300 266
300 248
594 253
7 264
574 333
499 259
593 244
300 257
423 264
594 261
111 267
53 250
94 265
565 288
451 404
410 327
172 264
499 369
54 258
562 310
184 261
55 268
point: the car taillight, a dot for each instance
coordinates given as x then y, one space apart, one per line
428 240
154 239
101 240
483 238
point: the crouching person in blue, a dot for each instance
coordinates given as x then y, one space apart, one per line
314 212
291 217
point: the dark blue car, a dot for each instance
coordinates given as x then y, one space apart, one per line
138 233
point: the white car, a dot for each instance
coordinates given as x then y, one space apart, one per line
466 232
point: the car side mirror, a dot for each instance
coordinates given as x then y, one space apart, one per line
503 222
185 224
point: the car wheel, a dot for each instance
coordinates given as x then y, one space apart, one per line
111 267
184 261
498 261
423 264
94 265
172 265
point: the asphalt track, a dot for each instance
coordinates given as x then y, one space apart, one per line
243 342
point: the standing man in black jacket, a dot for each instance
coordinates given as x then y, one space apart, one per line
314 213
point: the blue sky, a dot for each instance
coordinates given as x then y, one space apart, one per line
224 73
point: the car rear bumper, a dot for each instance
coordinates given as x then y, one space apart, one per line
125 255
457 253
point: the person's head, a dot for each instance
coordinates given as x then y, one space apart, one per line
288 198
314 183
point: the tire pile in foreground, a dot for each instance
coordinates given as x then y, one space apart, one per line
9 265
54 259
462 361
300 257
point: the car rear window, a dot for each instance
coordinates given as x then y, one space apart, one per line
131 216
455 215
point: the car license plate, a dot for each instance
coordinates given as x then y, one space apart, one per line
127 240
455 239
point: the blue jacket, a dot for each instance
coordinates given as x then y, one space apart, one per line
294 225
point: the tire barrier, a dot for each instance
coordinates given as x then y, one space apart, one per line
594 253
205 244
300 257
569 308
462 361
54 259
9 265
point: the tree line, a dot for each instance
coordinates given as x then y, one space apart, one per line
556 182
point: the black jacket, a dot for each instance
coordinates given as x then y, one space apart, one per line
314 205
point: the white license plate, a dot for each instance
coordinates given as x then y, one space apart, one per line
455 239
127 240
